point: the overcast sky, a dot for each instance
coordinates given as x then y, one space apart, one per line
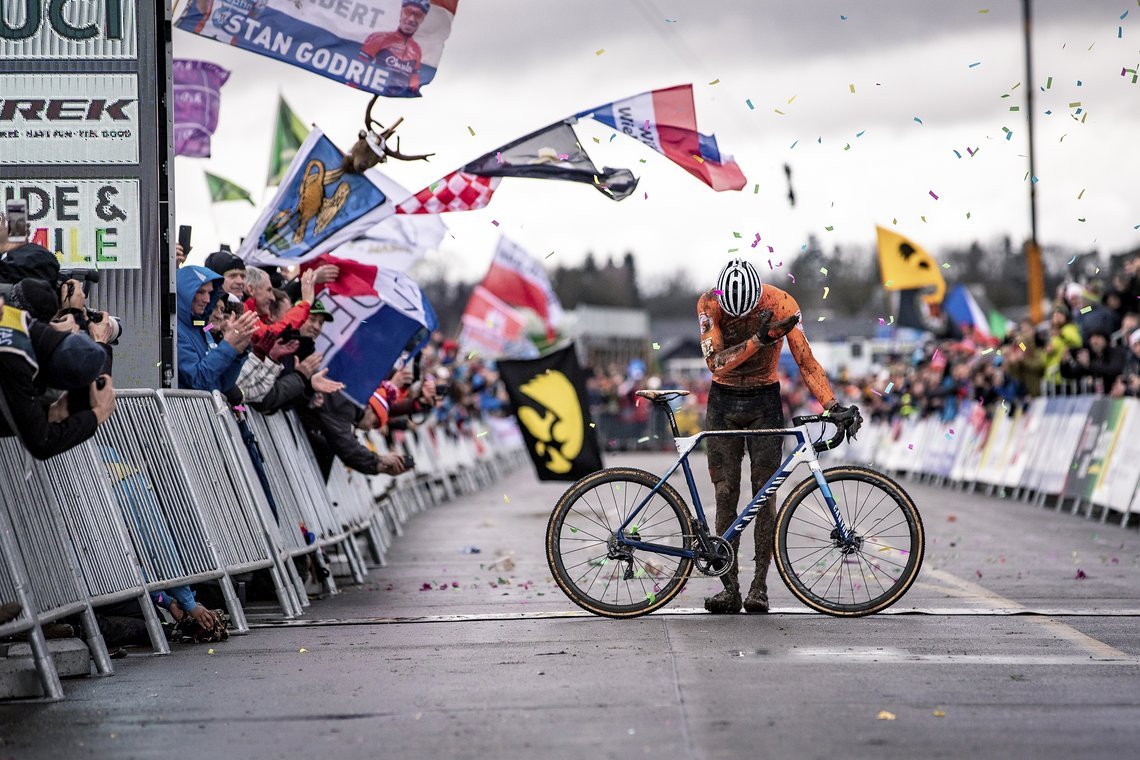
513 66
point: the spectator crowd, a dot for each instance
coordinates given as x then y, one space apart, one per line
1089 343
246 332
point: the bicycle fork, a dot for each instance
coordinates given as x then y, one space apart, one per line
844 538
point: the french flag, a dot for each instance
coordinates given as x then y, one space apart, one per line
961 306
369 332
666 121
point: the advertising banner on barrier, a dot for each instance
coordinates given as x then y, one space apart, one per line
995 453
389 47
1118 456
1084 467
1058 455
1019 441
971 428
88 223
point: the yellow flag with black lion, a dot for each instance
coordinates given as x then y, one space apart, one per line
548 396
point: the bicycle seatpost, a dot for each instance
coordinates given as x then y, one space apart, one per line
672 419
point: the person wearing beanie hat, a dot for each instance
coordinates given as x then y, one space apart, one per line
33 356
232 270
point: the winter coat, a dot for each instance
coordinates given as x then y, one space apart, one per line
202 364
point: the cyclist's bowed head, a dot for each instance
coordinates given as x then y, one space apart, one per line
743 324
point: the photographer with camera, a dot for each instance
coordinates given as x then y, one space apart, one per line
35 357
39 352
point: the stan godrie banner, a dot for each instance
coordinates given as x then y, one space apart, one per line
389 47
549 399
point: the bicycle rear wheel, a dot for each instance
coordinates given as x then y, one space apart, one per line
581 555
863 578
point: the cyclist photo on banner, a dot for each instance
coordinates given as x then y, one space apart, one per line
743 324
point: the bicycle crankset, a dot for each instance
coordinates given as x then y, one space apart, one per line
716 559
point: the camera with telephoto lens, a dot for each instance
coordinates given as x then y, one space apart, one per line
83 316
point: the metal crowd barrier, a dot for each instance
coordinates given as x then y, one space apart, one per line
160 500
166 495
238 520
1077 453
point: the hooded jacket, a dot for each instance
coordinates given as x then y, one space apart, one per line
202 366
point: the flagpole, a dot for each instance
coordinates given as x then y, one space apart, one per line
1034 268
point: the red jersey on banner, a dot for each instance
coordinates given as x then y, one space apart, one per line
397 53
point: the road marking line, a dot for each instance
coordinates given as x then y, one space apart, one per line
687 611
1094 647
899 656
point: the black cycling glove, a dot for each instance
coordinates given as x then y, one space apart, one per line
847 417
768 333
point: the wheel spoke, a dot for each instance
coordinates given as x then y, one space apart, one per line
884 563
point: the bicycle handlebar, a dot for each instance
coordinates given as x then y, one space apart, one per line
830 443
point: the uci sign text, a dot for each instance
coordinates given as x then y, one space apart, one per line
98 29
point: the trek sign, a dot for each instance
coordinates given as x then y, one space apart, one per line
45 120
70 126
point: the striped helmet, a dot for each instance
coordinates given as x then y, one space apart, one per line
738 287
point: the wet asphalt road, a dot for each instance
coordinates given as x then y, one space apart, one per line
999 650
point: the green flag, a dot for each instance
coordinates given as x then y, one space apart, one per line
287 138
222 189
999 325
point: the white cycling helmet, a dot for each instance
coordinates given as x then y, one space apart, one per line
738 287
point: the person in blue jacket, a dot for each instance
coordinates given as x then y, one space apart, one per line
203 363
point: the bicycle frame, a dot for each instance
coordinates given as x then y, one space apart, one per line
803 453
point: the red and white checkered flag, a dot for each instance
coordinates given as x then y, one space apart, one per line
458 191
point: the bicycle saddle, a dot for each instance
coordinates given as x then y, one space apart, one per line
665 395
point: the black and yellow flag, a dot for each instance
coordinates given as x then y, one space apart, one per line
548 396
903 265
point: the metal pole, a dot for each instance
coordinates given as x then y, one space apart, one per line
1035 272
164 68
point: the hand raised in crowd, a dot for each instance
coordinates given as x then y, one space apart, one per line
179 254
66 324
327 273
71 295
391 464
309 286
101 331
240 332
323 384
282 348
403 377
310 363
102 399
427 391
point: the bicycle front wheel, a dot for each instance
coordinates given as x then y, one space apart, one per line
616 581
861 578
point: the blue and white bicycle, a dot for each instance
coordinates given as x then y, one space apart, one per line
849 540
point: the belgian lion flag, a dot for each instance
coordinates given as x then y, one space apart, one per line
548 395
904 265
